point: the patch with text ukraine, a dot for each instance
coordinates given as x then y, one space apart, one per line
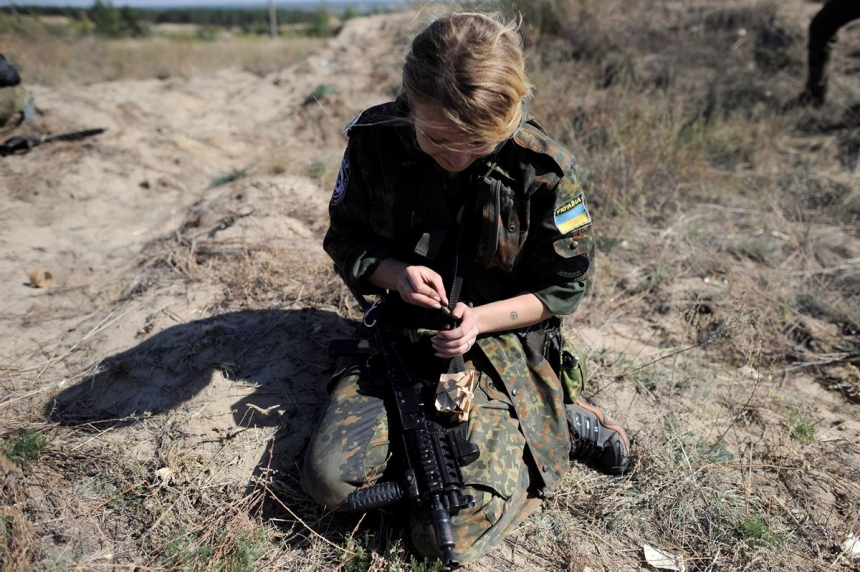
572 215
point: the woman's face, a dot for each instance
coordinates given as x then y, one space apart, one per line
441 140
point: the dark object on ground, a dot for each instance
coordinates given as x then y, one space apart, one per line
8 74
822 36
23 144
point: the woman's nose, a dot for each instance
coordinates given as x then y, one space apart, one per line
457 160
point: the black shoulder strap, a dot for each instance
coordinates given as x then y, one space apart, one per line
457 364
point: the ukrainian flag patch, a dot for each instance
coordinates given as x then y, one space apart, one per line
572 215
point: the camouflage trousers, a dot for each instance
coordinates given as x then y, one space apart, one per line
350 448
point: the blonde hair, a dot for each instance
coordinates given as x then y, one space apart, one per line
471 67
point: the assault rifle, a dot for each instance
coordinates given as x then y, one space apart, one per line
23 144
431 452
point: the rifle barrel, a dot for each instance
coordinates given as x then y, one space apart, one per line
74 135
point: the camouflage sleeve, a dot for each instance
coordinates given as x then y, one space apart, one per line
350 240
563 255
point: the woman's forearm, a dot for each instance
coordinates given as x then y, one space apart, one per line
510 314
387 273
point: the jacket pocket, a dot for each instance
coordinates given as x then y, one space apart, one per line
504 226
513 228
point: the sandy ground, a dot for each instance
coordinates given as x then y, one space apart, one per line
85 210
130 226
104 215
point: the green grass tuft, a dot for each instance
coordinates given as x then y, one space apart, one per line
225 178
755 531
27 447
802 427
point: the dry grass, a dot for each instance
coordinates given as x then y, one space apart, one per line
739 248
729 259
710 178
52 56
253 275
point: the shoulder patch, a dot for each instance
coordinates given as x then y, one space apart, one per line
572 215
342 180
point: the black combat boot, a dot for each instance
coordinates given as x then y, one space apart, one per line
597 439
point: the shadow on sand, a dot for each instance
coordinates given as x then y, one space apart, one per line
221 376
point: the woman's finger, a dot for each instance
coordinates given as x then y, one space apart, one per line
422 286
439 288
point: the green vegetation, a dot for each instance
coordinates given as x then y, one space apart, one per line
321 92
234 551
754 531
349 13
27 447
360 558
320 26
317 169
112 22
361 552
225 178
802 427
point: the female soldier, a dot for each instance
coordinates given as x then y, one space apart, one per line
455 170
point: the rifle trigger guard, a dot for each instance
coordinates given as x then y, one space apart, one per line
366 320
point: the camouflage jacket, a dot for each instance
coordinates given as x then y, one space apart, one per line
527 230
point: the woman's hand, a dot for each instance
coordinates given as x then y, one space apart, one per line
452 343
421 286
